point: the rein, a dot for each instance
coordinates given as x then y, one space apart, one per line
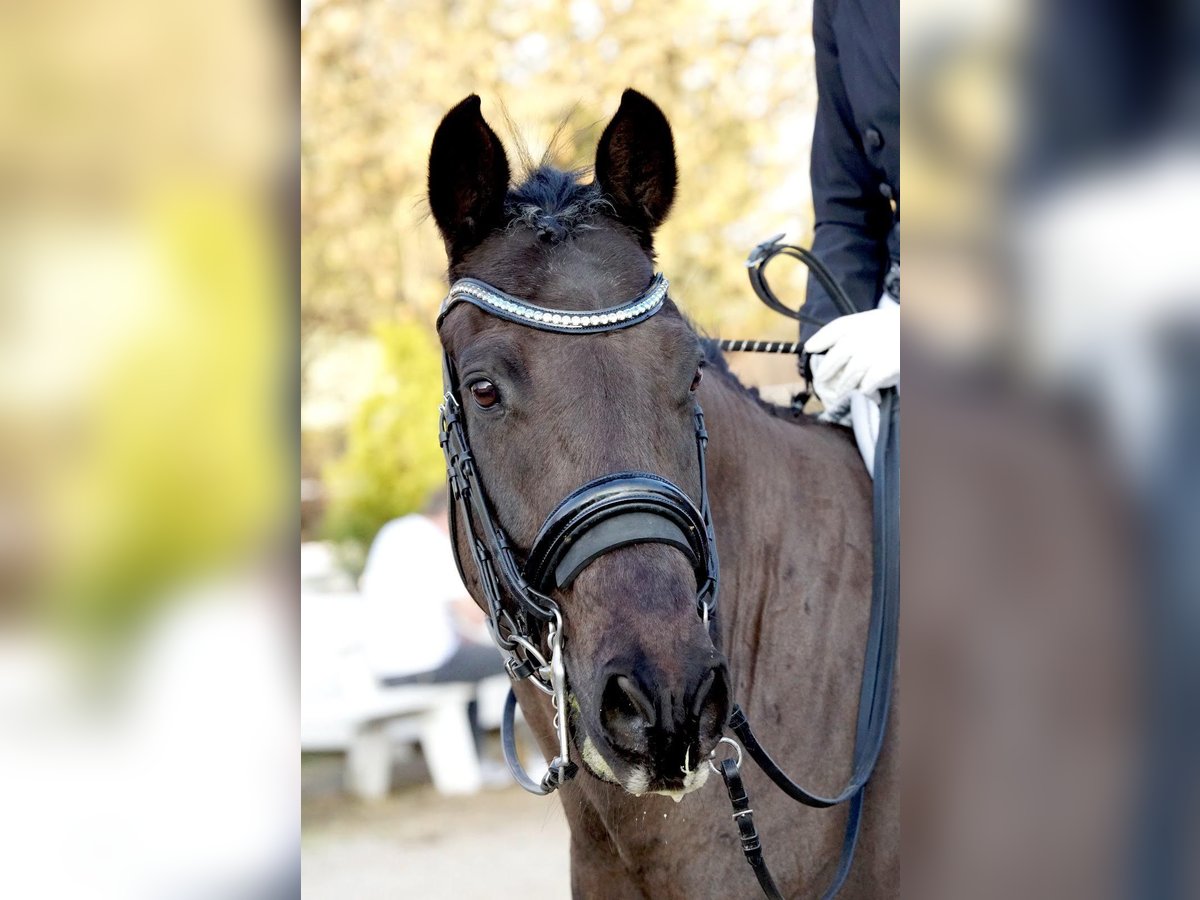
756 263
879 663
879 668
624 508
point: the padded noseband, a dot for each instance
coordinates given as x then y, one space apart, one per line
614 511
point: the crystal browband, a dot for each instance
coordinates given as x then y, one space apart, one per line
490 299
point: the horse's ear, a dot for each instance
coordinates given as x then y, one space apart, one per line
468 178
635 164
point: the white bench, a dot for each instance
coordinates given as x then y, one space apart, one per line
344 708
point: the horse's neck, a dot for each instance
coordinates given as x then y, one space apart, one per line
792 510
791 507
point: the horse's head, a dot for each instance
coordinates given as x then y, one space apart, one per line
547 412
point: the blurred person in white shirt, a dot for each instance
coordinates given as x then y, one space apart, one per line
421 625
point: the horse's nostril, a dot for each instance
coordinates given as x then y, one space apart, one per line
634 722
636 697
627 713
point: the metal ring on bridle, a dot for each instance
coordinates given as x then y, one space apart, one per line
541 681
731 742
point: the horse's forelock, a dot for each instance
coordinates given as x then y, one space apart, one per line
554 204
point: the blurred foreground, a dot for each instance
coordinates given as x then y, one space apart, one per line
147 621
1051 504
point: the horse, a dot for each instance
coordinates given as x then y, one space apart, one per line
648 678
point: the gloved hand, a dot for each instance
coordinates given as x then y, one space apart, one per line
859 353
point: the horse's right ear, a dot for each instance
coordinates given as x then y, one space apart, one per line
468 178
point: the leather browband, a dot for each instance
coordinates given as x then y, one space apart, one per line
513 309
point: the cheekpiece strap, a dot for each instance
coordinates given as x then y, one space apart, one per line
505 306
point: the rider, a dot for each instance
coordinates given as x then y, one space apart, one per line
856 195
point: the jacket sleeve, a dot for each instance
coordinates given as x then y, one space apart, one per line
853 218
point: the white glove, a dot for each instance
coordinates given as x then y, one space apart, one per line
860 353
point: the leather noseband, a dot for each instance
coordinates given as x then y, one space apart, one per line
610 512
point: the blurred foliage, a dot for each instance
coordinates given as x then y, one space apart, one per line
735 80
385 438
175 462
143 409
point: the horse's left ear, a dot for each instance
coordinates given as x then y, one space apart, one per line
635 164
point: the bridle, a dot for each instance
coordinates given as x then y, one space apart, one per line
625 508
612 511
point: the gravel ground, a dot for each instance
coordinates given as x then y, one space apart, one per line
416 843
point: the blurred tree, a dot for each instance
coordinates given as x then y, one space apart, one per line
392 460
735 80
173 464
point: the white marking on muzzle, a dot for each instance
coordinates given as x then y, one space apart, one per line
597 763
639 779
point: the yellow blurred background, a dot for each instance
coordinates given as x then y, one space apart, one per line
147 396
144 353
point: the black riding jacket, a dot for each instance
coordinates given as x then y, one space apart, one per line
856 149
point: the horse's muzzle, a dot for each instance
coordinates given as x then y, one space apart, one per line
664 727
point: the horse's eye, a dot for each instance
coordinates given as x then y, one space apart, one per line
697 378
485 393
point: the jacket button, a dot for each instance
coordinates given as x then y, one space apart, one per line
886 190
874 138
